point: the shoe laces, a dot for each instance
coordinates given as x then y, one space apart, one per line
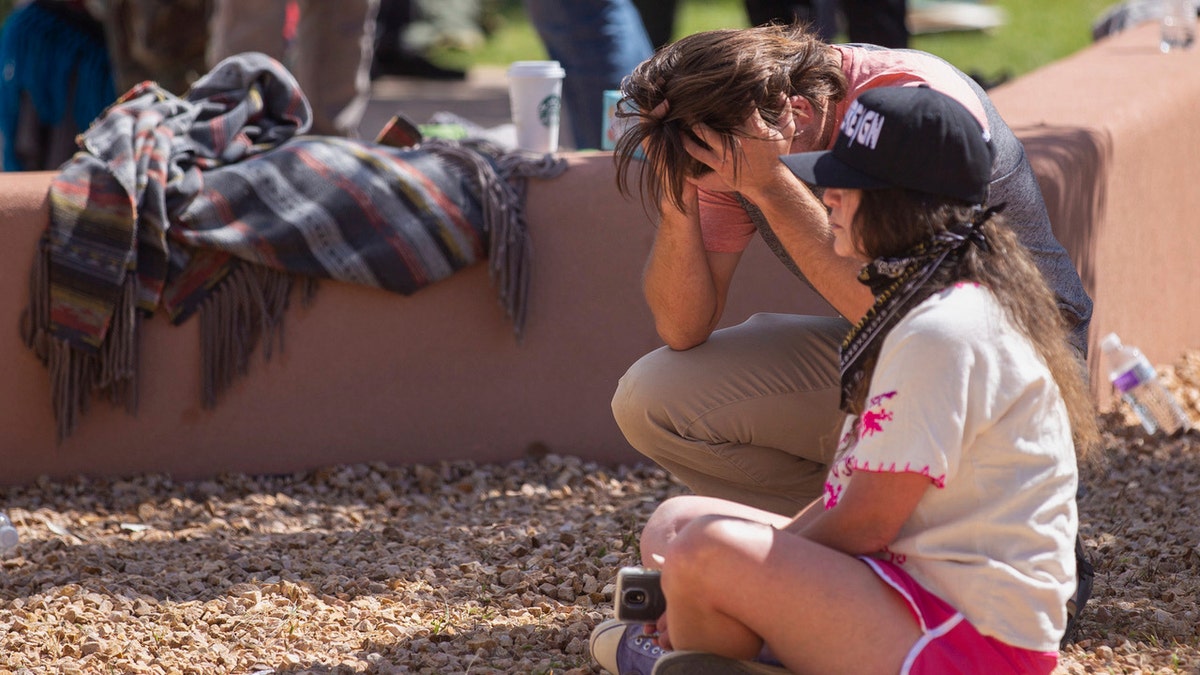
640 651
646 644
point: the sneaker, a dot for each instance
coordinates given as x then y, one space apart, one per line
701 663
624 648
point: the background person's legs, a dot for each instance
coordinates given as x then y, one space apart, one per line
246 26
332 62
330 57
877 22
153 40
598 42
750 415
820 14
658 16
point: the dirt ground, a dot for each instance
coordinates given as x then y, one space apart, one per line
465 568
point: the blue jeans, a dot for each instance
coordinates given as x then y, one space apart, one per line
598 42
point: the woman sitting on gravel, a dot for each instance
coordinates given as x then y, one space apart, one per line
945 543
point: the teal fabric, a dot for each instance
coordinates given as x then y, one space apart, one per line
59 65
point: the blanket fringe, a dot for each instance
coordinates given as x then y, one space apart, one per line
502 194
75 374
246 308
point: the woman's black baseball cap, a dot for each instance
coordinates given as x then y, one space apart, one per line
907 137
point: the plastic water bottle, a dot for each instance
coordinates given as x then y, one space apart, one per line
1139 386
8 535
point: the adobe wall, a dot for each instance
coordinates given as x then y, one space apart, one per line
1113 136
369 375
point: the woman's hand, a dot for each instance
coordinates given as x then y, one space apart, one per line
663 639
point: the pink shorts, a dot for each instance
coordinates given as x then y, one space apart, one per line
950 644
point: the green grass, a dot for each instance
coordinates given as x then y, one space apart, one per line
1037 32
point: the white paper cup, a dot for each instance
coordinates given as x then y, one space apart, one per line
535 95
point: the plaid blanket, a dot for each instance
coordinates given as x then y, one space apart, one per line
215 203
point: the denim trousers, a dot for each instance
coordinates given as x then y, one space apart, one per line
598 43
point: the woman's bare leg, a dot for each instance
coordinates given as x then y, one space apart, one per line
674 514
732 583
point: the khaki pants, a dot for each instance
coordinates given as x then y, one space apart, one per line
751 415
331 56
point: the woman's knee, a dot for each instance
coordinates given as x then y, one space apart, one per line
704 546
676 513
665 523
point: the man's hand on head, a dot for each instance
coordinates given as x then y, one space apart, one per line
747 161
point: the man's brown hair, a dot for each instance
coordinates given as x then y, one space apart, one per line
717 78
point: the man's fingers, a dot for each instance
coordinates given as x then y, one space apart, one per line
710 137
715 155
788 128
700 153
758 129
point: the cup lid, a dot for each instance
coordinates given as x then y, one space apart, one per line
536 69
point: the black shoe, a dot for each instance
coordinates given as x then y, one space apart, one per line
1083 591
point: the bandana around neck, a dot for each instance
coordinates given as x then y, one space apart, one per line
899 284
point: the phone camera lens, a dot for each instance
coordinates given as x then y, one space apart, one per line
635 597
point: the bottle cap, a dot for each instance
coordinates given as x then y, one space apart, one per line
8 538
1110 342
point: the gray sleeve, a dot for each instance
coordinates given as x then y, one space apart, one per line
1015 186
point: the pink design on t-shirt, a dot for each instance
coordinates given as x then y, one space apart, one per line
852 464
843 467
880 398
872 421
875 414
832 492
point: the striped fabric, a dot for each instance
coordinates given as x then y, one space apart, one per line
171 198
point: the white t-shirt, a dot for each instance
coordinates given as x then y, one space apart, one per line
960 396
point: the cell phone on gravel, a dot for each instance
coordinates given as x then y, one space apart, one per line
639 595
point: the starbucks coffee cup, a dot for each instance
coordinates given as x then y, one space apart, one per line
535 96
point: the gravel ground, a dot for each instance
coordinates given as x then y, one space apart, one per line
465 568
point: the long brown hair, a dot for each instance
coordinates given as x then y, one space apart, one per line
892 221
717 78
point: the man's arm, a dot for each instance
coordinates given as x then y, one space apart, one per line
798 218
800 221
685 285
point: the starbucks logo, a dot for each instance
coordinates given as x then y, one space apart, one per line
548 110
